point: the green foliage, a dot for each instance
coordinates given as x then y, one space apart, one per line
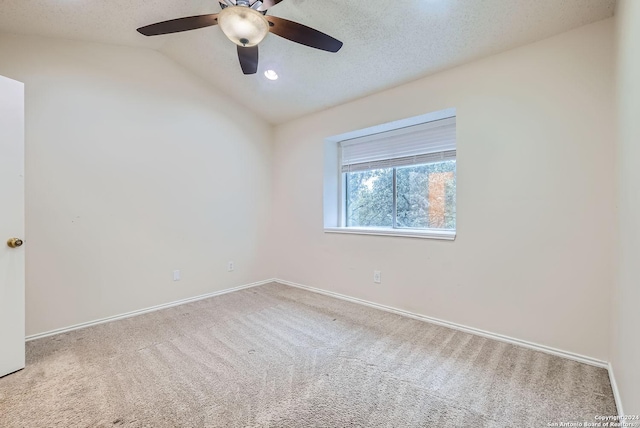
370 197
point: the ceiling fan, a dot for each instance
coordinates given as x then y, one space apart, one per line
246 24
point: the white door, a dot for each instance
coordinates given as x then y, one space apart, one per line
11 226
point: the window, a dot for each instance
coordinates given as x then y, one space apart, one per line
403 179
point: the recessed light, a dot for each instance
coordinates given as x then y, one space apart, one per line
271 75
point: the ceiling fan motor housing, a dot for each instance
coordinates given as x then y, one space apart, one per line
244 26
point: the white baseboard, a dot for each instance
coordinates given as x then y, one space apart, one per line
144 311
464 328
535 346
616 393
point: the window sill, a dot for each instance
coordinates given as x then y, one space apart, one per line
448 235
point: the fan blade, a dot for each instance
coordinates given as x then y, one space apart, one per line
248 59
266 4
302 34
180 24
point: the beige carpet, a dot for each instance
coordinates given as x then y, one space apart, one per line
276 356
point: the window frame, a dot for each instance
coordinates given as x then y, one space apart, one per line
394 230
334 193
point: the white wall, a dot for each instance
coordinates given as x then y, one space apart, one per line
121 190
626 313
533 256
133 168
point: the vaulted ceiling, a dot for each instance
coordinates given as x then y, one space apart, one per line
386 42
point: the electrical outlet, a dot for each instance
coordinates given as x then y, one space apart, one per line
377 277
176 275
230 267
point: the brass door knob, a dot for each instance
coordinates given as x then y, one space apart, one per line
15 242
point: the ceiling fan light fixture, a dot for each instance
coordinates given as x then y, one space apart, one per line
243 26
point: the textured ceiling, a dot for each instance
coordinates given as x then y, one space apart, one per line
386 42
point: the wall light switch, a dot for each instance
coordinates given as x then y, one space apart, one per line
176 275
230 267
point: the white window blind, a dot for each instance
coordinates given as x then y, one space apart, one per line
425 143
